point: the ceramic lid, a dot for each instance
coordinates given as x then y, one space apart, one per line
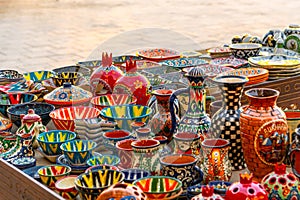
31 116
196 72
67 93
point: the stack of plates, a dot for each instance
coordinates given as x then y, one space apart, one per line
217 52
268 51
279 66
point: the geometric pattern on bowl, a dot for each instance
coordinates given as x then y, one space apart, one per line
184 62
37 76
66 187
72 77
101 167
91 184
52 173
159 186
229 62
126 114
63 118
132 175
101 102
77 152
7 76
245 50
158 54
41 109
104 160
7 100
50 141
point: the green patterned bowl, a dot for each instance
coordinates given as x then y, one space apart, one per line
52 173
50 141
38 76
90 185
159 187
124 115
104 159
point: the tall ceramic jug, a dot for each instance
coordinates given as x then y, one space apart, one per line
195 119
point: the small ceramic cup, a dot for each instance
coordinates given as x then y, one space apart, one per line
52 173
143 133
66 187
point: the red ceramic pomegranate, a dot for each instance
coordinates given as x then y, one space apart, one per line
104 77
246 189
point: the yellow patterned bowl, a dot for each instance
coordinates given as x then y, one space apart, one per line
38 76
50 141
52 173
104 159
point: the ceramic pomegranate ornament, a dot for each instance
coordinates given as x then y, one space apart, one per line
134 83
280 184
104 77
246 189
207 193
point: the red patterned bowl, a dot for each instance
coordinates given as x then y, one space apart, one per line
63 118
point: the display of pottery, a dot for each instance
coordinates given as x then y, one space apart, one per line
264 131
245 50
159 54
9 76
294 153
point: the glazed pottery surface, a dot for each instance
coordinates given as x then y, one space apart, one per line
292 42
7 100
143 133
184 62
78 151
107 100
187 143
112 137
5 124
294 153
207 193
24 162
91 185
52 173
104 159
159 54
132 175
293 121
74 68
66 77
125 153
63 118
101 167
229 61
38 76
8 76
66 187
226 121
41 109
216 164
126 114
7 141
264 131
245 50
159 186
220 187
50 141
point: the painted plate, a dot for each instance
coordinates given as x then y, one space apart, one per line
212 70
219 50
159 54
268 51
190 54
229 62
184 62
274 61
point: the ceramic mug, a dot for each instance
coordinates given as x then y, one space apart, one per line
187 143
182 167
293 121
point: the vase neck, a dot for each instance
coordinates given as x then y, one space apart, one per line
163 103
259 103
231 96
197 101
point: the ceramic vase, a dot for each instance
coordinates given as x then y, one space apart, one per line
195 119
134 83
226 121
246 189
104 78
264 131
280 184
125 153
161 122
207 193
216 164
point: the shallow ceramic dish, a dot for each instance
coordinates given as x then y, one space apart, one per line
104 160
194 190
78 152
66 187
24 162
159 186
112 137
41 109
217 52
90 185
245 50
50 141
72 77
268 51
158 54
126 114
101 167
132 175
52 173
190 54
229 62
104 101
184 62
274 61
38 76
144 64
7 76
63 118
7 100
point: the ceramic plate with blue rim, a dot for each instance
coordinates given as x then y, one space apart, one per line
267 51
229 62
275 61
61 160
184 62
24 162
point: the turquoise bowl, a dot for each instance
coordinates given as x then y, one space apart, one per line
104 160
50 141
77 152
38 76
124 115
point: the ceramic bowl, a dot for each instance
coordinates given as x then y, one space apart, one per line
41 109
8 76
158 54
101 167
107 100
126 114
74 68
38 76
245 50
220 187
7 100
66 187
52 173
194 190
24 162
60 78
184 62
50 141
230 61
104 160
5 124
132 175
90 185
159 186
77 152
63 118
112 137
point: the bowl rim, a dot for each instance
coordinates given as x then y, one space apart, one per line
151 177
117 138
66 189
94 99
69 169
245 46
104 155
91 168
32 103
91 141
35 97
53 115
57 142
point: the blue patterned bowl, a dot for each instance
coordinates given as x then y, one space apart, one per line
50 141
41 109
124 115
77 152
90 185
38 76
7 100
104 159
132 175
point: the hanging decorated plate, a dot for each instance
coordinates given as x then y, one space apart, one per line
184 62
229 62
158 54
